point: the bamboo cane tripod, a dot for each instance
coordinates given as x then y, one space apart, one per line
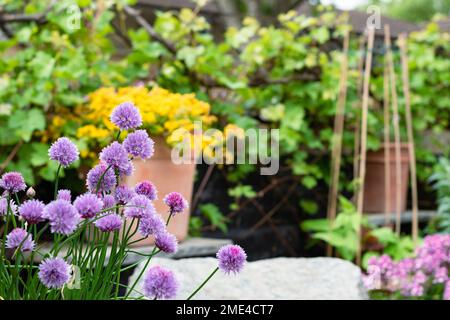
360 152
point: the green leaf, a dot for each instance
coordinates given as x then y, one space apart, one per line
315 225
42 65
309 182
384 235
39 155
309 206
24 123
214 216
240 191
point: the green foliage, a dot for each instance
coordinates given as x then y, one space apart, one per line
413 10
398 247
343 235
211 214
279 76
441 183
242 191
47 69
215 217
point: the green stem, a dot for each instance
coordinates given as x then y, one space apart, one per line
147 262
203 284
56 181
101 179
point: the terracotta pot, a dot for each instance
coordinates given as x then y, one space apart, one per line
374 193
167 177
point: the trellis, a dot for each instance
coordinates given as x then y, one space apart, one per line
390 105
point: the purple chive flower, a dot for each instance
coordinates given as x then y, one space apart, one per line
152 225
116 156
32 211
146 188
232 258
4 206
126 116
64 194
88 205
64 151
12 182
62 215
123 194
176 202
95 174
109 223
54 272
19 238
160 283
167 242
108 201
138 144
138 207
127 170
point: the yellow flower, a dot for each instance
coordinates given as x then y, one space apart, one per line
163 112
92 132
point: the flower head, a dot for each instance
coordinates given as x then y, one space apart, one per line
108 201
64 194
147 189
4 206
167 242
152 225
62 215
88 205
54 272
32 211
175 202
126 116
109 223
123 194
19 238
160 283
138 207
98 177
138 144
12 182
64 151
116 156
232 258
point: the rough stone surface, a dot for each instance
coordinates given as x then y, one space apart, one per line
278 278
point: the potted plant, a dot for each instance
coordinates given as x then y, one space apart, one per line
164 115
374 187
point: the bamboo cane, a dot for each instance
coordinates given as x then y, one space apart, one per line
411 145
356 149
362 165
387 147
337 138
396 120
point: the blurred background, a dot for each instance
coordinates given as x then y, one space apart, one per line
233 64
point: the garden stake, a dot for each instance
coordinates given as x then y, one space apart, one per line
357 115
396 118
387 147
362 165
337 139
409 128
